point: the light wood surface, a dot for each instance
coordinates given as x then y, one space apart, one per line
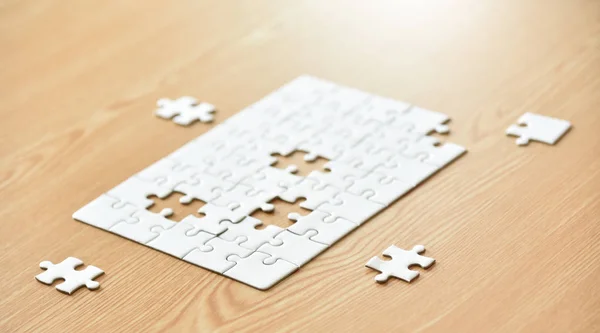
515 230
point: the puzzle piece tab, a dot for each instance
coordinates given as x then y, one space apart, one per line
398 266
74 279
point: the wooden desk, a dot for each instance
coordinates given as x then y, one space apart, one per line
515 230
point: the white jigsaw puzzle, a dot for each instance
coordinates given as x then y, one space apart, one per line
378 150
73 279
400 263
531 126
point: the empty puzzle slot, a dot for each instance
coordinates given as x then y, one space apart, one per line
173 202
296 158
279 216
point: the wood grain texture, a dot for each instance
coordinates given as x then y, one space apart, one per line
515 231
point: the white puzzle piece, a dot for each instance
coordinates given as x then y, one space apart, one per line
400 263
213 216
287 246
213 255
176 241
326 232
101 212
185 109
351 207
307 189
168 173
142 226
135 191
253 271
73 279
537 127
378 150
246 234
380 188
421 120
339 175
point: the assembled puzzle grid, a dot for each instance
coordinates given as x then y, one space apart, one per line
378 150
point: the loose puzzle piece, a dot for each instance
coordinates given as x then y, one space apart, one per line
253 271
73 279
539 128
186 110
287 245
326 232
400 263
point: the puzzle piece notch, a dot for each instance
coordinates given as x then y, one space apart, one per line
185 110
400 263
252 270
73 279
539 128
